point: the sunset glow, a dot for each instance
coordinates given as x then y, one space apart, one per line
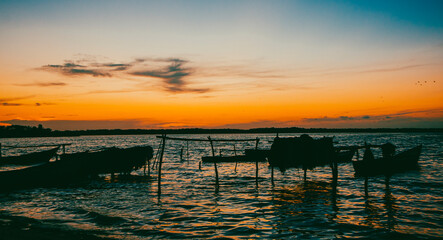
221 64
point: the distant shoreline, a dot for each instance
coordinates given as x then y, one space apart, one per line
16 131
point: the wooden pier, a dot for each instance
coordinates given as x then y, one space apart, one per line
211 141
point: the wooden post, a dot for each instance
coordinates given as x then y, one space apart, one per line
304 175
0 150
215 162
256 162
387 180
272 175
149 168
366 186
335 171
159 190
181 154
64 149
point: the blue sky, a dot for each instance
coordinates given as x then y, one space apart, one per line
257 54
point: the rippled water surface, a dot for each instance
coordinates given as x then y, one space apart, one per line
190 205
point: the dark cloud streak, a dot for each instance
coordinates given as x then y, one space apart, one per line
174 75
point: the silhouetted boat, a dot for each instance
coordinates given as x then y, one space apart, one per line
76 166
404 161
111 160
261 154
344 156
238 158
301 152
30 158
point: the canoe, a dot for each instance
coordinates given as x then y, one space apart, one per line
344 156
111 160
30 158
238 158
260 154
77 166
404 161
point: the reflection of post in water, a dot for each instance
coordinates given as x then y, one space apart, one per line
215 164
334 199
389 202
159 190
373 212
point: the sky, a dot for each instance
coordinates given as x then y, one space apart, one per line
221 64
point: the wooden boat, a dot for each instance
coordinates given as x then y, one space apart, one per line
404 161
238 158
77 166
111 160
261 154
30 158
301 152
344 156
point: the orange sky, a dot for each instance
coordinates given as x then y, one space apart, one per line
248 67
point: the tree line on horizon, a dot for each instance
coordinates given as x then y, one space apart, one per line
39 131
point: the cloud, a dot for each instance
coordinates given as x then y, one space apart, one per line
394 69
44 84
72 69
257 124
172 75
7 102
10 104
407 118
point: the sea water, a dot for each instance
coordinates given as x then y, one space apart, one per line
192 206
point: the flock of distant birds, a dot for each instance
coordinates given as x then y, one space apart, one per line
424 82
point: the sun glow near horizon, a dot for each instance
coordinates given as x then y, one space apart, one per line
239 64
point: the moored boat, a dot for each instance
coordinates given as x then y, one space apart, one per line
344 156
301 152
238 158
76 166
260 154
30 158
404 161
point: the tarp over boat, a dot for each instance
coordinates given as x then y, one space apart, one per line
301 152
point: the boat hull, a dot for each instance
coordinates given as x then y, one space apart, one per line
404 161
74 167
30 158
239 158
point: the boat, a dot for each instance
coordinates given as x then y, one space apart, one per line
238 158
404 161
261 154
344 156
111 160
301 152
30 158
76 166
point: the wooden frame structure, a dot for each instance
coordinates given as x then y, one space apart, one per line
211 141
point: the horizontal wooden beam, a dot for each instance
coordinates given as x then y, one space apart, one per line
207 140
